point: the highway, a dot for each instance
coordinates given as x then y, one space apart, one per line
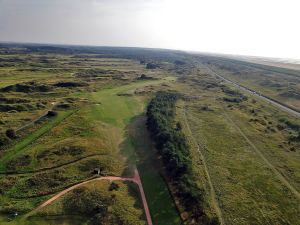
270 101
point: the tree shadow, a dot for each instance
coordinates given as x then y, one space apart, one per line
141 153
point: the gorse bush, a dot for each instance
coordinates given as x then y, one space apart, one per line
174 150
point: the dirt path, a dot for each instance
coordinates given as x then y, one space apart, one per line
136 179
212 190
267 162
51 168
53 104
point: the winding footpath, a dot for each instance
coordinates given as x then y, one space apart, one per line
136 179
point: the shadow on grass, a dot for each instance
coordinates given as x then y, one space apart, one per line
140 151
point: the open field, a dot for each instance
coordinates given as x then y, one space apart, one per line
68 115
253 167
88 130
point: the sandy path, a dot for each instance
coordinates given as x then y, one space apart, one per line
136 179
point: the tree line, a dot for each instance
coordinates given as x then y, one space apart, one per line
173 148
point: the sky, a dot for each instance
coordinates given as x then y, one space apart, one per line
245 27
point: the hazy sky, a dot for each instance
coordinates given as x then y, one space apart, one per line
248 27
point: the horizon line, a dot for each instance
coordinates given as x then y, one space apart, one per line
158 48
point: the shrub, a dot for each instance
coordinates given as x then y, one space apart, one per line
145 77
90 165
72 150
4 140
235 100
27 87
179 62
24 160
114 186
44 182
10 133
151 66
15 107
51 113
86 202
70 84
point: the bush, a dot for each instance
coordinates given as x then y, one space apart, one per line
24 160
72 150
113 186
4 140
10 133
27 87
145 77
51 113
234 100
44 182
151 66
16 107
90 165
179 62
86 202
70 84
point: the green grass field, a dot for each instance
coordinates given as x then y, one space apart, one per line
244 153
64 150
120 111
246 187
13 152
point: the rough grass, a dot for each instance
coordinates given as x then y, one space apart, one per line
65 150
198 167
126 205
32 137
279 85
247 189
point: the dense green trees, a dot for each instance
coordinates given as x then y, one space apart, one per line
174 150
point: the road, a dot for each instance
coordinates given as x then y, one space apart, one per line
136 179
268 100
